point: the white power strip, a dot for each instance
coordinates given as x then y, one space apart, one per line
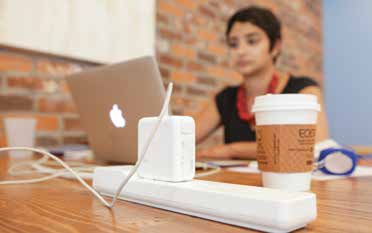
258 208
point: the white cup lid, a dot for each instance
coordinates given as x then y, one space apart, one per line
275 102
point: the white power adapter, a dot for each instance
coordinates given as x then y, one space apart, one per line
171 154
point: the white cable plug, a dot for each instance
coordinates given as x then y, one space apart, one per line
163 112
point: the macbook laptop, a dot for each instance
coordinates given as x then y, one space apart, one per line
111 99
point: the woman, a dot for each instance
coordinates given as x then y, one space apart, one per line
254 38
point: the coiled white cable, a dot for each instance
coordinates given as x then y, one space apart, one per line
164 111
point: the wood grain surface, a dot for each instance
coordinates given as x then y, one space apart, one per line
65 206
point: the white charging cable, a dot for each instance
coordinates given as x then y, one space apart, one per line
205 166
84 170
164 111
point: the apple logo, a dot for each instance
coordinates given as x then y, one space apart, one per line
117 117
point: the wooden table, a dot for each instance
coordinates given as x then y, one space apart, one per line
65 206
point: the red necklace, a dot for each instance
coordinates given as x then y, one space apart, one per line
243 103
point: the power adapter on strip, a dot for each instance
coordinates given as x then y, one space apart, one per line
171 154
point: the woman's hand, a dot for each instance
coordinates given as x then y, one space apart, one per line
217 152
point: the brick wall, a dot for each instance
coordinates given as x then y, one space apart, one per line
191 52
32 85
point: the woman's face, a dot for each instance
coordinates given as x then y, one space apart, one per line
250 48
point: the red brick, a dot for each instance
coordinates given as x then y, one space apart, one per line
183 51
225 63
190 41
170 35
194 66
47 123
182 77
217 71
171 61
15 103
187 27
45 104
31 83
198 21
188 4
207 81
218 50
10 62
207 57
196 91
207 35
170 9
207 12
56 68
72 124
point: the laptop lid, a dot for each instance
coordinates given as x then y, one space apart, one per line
111 99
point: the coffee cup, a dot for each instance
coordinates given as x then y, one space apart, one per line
20 132
285 135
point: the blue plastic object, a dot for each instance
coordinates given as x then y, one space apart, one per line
349 153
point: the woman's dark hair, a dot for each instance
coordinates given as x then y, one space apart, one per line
260 17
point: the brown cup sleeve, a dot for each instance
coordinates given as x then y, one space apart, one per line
285 148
